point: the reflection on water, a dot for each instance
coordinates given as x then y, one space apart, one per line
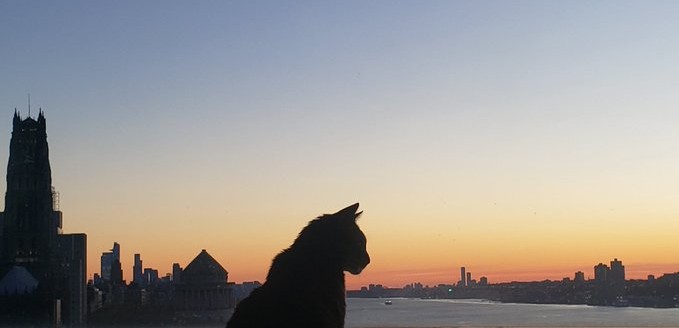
475 313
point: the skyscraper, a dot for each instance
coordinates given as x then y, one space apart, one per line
579 277
137 274
601 273
107 261
31 239
463 277
617 272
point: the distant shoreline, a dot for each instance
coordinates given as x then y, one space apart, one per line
483 300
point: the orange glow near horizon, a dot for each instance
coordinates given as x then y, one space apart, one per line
427 276
400 257
526 245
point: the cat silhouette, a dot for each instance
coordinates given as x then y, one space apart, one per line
305 284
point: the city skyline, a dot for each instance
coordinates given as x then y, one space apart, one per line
524 139
587 275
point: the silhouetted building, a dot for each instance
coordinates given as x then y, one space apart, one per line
94 298
96 279
107 260
137 273
601 273
167 279
617 272
463 277
204 286
32 246
579 277
72 282
150 277
116 273
176 273
483 281
469 279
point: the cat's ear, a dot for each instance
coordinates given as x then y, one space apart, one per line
350 211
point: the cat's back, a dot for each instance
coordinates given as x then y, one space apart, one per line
255 310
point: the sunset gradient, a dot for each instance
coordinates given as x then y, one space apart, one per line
524 140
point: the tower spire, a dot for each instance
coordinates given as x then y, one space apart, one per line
29 105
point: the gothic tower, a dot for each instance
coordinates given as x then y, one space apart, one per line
46 269
30 223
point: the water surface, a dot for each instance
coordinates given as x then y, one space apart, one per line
477 313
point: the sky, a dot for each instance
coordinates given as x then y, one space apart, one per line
525 140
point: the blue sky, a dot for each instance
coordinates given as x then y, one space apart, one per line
234 113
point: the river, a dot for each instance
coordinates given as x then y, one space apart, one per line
362 313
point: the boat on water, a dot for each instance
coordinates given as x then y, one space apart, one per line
387 302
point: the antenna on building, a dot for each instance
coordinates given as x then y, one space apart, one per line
29 105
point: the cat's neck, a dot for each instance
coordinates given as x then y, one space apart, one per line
307 269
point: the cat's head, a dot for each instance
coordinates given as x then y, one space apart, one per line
351 240
336 241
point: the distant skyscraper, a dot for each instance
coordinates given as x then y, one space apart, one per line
31 239
601 273
463 277
107 260
483 281
579 277
617 272
469 279
137 270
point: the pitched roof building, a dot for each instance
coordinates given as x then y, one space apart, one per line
204 286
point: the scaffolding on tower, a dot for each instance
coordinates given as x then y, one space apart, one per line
55 199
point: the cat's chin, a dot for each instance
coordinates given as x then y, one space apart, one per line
355 271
